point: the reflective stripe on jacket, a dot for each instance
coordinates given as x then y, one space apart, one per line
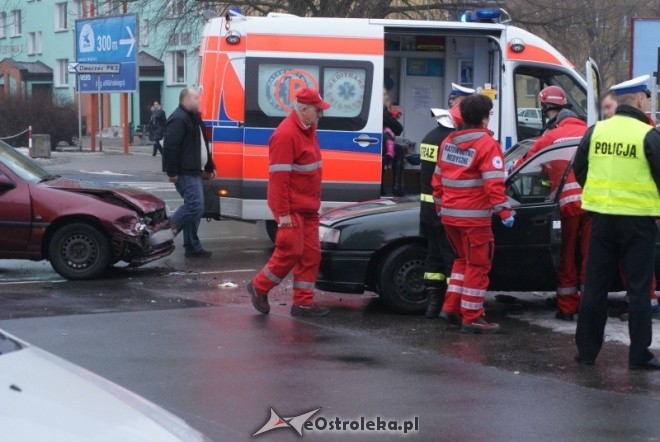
294 181
468 182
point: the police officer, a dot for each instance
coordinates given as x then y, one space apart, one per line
618 165
439 255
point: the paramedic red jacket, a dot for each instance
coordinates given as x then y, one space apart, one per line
468 182
294 183
567 126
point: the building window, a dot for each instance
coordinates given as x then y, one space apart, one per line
60 17
32 43
78 9
61 73
532 87
144 32
16 23
185 39
39 43
113 7
178 67
3 24
176 8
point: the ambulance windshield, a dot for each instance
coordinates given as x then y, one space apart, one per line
528 83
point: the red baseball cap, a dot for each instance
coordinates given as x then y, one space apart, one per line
312 96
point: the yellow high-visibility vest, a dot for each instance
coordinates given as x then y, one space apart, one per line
619 180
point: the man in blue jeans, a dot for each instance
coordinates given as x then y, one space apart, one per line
187 161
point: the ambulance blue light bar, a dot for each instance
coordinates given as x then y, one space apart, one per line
487 15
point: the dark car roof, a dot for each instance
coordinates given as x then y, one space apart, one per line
389 205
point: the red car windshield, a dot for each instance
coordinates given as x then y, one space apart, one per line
26 168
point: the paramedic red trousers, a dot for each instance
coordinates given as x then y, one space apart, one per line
575 233
297 248
468 282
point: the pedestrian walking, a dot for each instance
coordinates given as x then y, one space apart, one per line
468 186
563 125
187 161
294 198
618 165
157 127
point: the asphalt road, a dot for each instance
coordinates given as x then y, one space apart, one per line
169 332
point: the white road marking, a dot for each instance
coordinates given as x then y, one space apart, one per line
36 281
104 172
216 272
219 272
150 186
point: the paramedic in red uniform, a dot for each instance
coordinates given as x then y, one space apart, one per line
468 185
294 198
563 125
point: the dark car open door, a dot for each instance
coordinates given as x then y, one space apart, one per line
526 256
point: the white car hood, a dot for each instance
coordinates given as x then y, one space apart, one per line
43 397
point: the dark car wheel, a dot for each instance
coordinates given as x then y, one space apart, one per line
79 251
401 279
73 141
271 229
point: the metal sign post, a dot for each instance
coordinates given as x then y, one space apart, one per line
87 69
100 112
79 114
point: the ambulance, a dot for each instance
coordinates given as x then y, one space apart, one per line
251 68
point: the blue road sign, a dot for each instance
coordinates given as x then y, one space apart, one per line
108 40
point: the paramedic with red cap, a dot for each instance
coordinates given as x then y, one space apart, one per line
294 198
468 186
564 125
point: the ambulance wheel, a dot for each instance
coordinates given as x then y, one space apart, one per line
401 279
271 229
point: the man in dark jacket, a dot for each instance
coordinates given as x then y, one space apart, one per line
439 254
187 161
157 127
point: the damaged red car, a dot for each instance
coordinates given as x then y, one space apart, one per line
81 228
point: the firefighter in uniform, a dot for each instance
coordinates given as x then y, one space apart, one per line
294 197
564 125
468 185
439 256
618 165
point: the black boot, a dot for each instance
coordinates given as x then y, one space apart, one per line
436 298
397 175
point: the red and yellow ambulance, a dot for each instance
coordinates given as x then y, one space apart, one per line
251 68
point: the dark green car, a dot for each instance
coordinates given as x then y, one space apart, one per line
376 246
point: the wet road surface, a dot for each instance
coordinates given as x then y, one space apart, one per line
169 333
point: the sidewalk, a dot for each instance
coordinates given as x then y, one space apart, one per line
110 146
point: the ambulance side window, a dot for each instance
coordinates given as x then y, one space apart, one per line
528 82
344 89
276 83
271 85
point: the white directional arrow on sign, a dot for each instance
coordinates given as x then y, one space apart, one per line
128 41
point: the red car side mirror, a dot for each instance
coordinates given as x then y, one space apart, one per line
6 183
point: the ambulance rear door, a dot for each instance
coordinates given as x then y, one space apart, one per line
343 58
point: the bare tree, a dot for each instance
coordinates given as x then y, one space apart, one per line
579 29
587 28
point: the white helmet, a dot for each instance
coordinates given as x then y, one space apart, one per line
444 118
